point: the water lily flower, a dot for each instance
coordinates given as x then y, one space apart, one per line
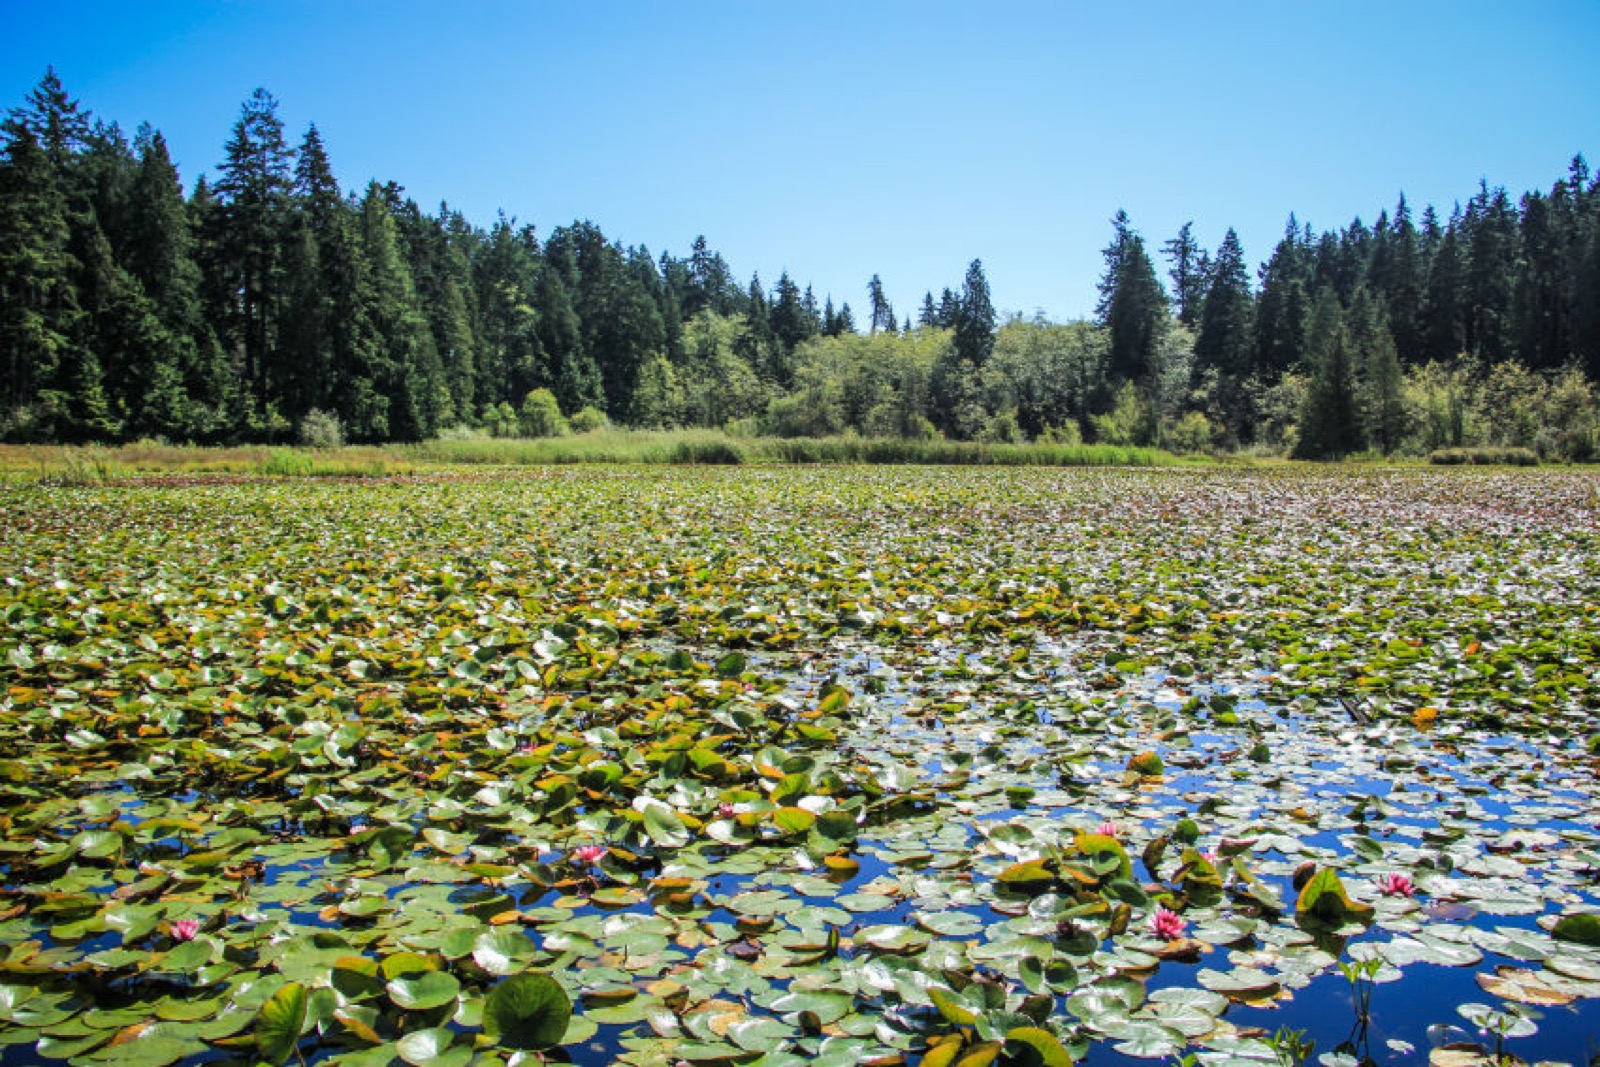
1211 858
1167 925
1109 829
1396 885
185 929
588 855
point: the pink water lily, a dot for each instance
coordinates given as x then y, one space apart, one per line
588 855
1396 885
725 810
185 929
1211 858
1167 925
1109 829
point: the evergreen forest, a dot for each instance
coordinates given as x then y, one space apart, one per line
272 305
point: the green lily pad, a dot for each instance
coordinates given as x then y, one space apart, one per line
1582 928
431 989
527 1011
280 1022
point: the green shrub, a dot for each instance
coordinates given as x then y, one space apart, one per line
1190 434
321 429
1484 457
541 415
588 419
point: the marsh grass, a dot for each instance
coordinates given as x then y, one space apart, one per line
91 465
88 465
714 447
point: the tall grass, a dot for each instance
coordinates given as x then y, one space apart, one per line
711 446
96 465
85 465
600 446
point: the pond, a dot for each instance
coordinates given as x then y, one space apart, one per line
800 766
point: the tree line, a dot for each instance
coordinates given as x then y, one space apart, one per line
269 303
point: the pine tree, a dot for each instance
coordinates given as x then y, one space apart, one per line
791 323
1188 273
756 344
1133 307
1406 285
253 190
1380 381
324 335
847 320
408 389
1493 251
570 374
1328 424
1226 343
710 282
1283 310
60 127
974 325
159 255
830 319
39 314
882 313
1445 335
507 349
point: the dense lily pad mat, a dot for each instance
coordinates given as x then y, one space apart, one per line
798 766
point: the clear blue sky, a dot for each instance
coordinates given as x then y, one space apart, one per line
836 140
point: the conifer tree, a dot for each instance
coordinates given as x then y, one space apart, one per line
1283 310
1133 307
252 191
1445 335
975 321
1406 286
1189 269
39 314
792 322
1225 344
408 378
1328 424
882 313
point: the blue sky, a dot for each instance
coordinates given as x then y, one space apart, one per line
836 140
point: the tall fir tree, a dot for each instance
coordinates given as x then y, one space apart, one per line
1283 309
1328 424
39 313
253 189
1405 286
409 378
1493 252
975 322
882 314
1190 267
1225 344
1445 335
1132 308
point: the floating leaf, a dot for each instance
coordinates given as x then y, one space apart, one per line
527 1011
1582 928
429 990
279 1023
1324 898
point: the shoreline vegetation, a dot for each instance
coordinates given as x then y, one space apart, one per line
103 464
